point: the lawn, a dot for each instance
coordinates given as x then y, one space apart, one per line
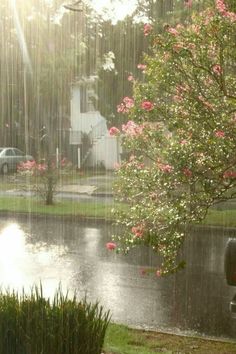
93 209
62 207
123 340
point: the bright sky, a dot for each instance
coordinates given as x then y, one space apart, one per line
114 9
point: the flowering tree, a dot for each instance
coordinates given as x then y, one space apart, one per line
46 174
181 134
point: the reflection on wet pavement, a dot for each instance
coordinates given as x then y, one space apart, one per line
50 251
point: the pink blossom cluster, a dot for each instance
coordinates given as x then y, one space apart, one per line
130 77
147 105
132 129
187 172
111 246
173 31
180 90
217 69
177 47
222 8
134 163
229 174
142 67
31 166
113 131
147 29
26 166
220 134
138 230
205 102
165 167
183 142
41 167
125 106
35 167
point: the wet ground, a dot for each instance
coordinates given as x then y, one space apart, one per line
74 254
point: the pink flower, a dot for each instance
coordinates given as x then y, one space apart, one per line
158 273
27 166
132 129
165 167
114 131
121 108
111 246
182 88
147 105
229 174
208 81
172 31
142 66
125 106
130 78
217 69
221 7
187 172
138 230
147 29
220 134
129 102
183 142
177 47
205 102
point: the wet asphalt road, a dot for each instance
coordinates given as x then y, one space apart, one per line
197 299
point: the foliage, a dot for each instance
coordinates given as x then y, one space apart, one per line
34 324
47 174
181 136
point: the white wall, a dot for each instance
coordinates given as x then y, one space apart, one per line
106 150
75 107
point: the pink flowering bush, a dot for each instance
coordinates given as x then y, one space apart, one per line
46 175
180 135
147 29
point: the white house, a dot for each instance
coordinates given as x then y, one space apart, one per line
89 131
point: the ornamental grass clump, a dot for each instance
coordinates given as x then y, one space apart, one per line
32 324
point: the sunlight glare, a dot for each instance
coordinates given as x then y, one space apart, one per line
115 10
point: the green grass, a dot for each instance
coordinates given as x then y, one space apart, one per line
123 340
225 218
13 204
63 207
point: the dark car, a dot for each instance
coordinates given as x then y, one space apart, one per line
10 157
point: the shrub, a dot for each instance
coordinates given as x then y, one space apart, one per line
180 134
32 324
47 175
